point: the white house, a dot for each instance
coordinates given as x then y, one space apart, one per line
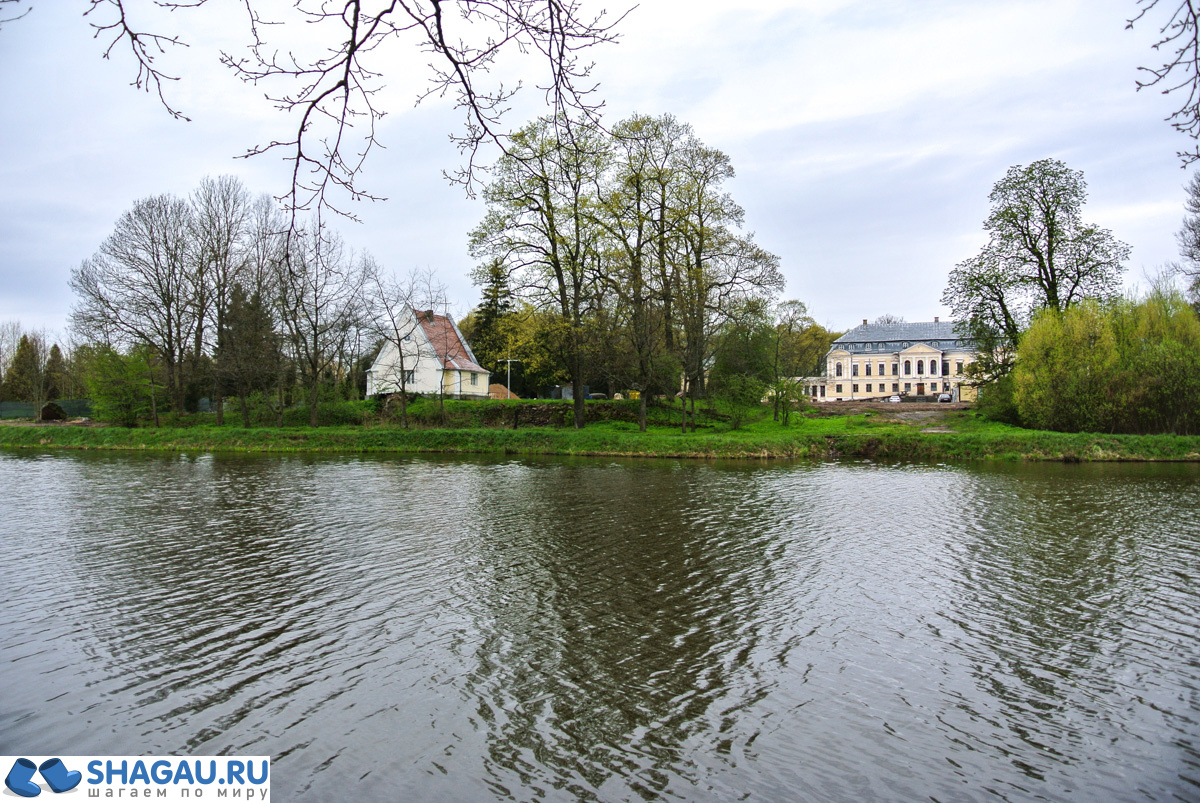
434 358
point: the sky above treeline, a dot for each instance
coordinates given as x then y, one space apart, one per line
866 137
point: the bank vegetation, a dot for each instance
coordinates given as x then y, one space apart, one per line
546 428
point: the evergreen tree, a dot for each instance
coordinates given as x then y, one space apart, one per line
492 321
57 379
248 355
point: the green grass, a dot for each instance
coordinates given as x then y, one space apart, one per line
869 435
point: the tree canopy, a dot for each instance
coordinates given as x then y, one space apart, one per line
1040 255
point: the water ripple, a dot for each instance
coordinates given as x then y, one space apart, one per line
608 630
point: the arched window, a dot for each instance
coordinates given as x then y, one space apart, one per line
920 366
933 367
908 367
837 371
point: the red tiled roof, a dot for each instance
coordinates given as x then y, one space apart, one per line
451 351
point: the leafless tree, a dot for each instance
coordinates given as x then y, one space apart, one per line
1179 40
1188 238
35 379
220 220
888 319
319 289
10 336
141 287
329 81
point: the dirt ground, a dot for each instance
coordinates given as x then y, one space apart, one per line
916 413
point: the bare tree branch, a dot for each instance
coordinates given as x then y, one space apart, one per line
1180 39
332 94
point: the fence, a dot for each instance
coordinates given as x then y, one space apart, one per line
74 408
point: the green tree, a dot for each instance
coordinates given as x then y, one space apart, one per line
1121 366
58 379
247 355
28 378
122 387
1040 255
541 227
489 328
743 366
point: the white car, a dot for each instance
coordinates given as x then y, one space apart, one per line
894 399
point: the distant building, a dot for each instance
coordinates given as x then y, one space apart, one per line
435 359
875 361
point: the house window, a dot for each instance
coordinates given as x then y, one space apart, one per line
869 346
907 386
945 368
854 370
895 387
474 379
409 378
933 367
882 369
868 387
908 367
958 367
837 388
895 369
854 388
837 370
822 391
920 367
868 369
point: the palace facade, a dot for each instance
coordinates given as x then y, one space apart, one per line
875 361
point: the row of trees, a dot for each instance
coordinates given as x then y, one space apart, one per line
216 295
1059 346
626 251
33 368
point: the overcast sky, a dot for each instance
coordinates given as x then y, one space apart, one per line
866 137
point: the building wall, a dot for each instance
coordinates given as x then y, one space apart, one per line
458 384
917 370
384 376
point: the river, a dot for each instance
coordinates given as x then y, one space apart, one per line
409 628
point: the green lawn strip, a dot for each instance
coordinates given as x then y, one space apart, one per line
850 436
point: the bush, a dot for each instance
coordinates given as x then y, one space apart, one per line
1128 366
996 402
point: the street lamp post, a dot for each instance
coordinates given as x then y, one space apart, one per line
510 361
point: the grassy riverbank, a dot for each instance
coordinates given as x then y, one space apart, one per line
884 434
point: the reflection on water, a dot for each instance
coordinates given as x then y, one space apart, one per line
401 628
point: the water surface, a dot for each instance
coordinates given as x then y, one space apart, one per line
470 629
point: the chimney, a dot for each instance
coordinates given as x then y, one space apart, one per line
864 321
935 319
429 315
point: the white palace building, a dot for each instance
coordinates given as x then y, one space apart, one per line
875 361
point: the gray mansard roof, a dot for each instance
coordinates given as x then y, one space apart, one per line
891 337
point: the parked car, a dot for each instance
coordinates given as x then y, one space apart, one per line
945 397
894 399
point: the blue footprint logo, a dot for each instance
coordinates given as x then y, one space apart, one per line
54 771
